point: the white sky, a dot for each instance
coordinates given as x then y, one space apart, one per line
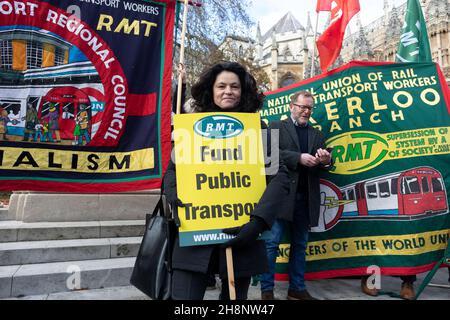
269 12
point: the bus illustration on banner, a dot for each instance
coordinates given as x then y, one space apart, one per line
410 194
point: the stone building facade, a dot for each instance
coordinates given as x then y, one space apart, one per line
379 40
284 52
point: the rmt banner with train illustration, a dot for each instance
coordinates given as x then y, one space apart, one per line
385 202
85 94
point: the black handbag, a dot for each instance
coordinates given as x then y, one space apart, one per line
152 269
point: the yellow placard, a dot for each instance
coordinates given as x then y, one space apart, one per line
220 172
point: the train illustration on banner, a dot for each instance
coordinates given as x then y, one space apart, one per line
412 194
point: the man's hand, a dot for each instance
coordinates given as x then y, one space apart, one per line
323 156
245 233
308 160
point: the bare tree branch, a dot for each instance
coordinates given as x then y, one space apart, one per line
207 27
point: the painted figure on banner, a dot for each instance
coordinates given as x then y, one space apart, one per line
30 122
38 131
46 132
83 119
3 124
76 132
66 113
13 118
53 122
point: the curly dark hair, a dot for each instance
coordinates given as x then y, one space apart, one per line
202 92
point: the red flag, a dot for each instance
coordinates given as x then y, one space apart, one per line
323 5
329 43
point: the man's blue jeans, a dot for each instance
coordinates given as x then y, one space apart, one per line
298 239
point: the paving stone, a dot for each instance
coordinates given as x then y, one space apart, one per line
12 230
58 231
114 293
126 228
125 247
9 231
48 278
27 252
327 289
6 275
4 214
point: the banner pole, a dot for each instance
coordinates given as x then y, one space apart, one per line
183 36
314 46
230 271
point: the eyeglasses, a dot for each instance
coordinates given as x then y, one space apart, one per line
303 108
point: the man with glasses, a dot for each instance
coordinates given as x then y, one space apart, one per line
302 149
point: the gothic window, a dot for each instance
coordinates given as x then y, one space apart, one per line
241 52
34 55
287 80
6 53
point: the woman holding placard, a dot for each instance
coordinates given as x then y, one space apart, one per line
224 87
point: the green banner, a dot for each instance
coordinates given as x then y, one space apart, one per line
385 202
414 45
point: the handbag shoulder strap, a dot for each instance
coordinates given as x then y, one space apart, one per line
159 208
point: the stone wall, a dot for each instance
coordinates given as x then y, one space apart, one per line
56 207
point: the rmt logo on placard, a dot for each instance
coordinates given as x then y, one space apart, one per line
218 127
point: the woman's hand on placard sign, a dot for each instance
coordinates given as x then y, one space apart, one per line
245 233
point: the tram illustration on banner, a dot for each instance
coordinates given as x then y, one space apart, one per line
410 194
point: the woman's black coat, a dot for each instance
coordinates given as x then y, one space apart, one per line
248 260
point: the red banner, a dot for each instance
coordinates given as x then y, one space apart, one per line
85 94
329 43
